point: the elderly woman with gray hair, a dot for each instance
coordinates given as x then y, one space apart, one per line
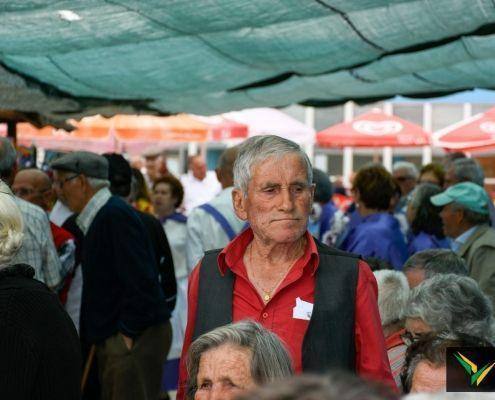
233 358
449 304
38 341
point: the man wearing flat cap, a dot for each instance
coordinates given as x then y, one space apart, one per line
123 310
466 218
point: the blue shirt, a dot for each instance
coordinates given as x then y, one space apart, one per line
378 236
425 241
457 243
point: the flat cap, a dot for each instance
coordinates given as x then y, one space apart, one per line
83 162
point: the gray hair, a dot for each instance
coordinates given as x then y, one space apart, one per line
270 360
259 148
436 261
8 157
472 217
451 303
97 183
468 170
11 226
412 170
393 293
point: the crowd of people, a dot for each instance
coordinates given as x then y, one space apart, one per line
121 283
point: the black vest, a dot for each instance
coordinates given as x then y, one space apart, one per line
329 339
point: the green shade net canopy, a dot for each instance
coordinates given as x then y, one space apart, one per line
68 59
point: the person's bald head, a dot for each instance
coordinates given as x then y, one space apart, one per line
197 165
34 186
225 168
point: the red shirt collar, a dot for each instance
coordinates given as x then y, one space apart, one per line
235 250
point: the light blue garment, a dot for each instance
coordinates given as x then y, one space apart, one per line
457 243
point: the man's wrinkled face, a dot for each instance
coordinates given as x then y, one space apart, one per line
198 168
70 190
451 218
428 378
278 200
25 187
224 372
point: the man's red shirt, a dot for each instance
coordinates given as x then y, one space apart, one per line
277 315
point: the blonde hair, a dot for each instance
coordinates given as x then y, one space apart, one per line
11 226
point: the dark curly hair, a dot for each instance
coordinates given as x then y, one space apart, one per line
376 187
427 218
175 185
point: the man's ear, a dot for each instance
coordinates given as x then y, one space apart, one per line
239 202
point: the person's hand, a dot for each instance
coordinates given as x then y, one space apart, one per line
128 341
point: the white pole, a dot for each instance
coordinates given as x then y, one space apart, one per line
309 118
467 110
348 157
387 158
427 152
387 151
192 148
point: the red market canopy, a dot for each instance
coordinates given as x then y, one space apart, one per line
472 134
374 129
131 133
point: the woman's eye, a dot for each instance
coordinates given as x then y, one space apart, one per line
205 385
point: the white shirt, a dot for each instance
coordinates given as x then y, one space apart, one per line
176 235
198 192
205 233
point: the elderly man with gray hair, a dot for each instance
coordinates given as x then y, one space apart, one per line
465 218
124 313
449 304
406 174
234 358
393 292
428 263
320 301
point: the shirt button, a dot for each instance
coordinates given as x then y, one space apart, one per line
265 315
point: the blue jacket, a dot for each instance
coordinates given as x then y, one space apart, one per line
378 236
424 241
121 290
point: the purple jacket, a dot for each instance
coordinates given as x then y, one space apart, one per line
425 241
378 236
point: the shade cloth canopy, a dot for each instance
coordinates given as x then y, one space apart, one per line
374 129
472 134
67 59
131 133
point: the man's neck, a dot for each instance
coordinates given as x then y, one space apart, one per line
271 255
463 229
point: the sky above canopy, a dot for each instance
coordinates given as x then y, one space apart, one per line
66 59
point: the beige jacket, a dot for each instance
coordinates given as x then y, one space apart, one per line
479 253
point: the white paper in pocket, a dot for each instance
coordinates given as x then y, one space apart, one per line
302 310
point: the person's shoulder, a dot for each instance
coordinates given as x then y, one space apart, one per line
486 238
30 210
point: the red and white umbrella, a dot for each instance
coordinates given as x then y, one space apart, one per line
374 129
473 134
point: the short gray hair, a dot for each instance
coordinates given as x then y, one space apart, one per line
11 226
97 183
454 304
8 157
270 360
468 170
259 148
436 261
393 293
412 170
472 217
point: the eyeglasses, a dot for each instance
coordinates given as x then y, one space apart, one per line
62 182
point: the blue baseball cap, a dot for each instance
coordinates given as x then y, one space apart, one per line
468 194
